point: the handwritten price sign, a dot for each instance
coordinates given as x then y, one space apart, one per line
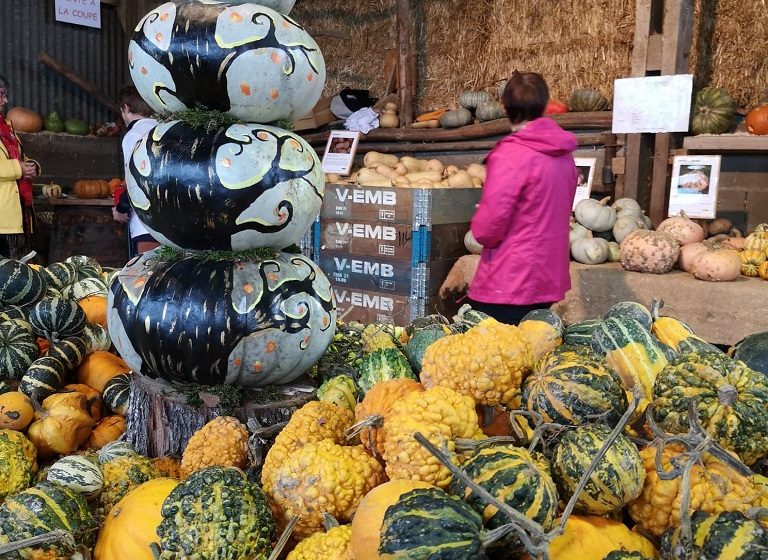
79 12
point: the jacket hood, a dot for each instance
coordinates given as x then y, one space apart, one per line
546 137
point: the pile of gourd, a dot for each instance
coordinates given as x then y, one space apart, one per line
386 170
598 229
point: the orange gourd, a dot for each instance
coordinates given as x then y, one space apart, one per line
763 271
93 401
91 188
25 120
99 367
63 424
109 429
95 308
16 411
757 120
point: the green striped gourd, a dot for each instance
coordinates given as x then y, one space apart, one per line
580 334
631 351
60 274
617 479
16 465
636 311
16 316
419 342
47 507
515 477
56 318
78 474
731 400
44 377
117 393
18 350
573 388
70 351
721 536
428 523
20 284
216 513
381 365
115 450
676 334
544 329
340 390
96 337
85 267
84 288
753 351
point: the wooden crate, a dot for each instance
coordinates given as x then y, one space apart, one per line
385 275
368 307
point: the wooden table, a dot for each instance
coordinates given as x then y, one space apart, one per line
720 312
85 227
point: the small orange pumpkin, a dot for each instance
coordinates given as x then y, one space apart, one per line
99 367
763 271
91 188
109 429
95 308
757 120
25 120
16 411
94 404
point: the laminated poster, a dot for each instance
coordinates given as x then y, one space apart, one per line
653 104
694 186
340 151
586 169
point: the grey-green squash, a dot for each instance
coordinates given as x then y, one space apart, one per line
79 474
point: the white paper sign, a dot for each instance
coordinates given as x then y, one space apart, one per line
586 169
653 104
79 12
340 151
694 186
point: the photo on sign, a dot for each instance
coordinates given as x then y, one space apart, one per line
340 151
693 189
584 178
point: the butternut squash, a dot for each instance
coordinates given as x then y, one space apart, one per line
430 116
435 165
450 170
387 172
460 179
402 182
477 170
432 176
372 159
414 165
366 175
427 124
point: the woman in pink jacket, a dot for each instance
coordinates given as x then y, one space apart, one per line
523 218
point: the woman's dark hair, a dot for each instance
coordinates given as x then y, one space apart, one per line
525 97
3 82
129 95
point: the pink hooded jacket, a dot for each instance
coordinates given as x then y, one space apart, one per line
523 218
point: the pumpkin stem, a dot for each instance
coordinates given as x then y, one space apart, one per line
618 429
372 421
523 525
656 305
329 522
28 257
287 532
605 201
727 394
57 536
487 538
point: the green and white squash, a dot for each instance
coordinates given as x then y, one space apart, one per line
571 388
630 350
712 112
617 479
636 311
60 274
753 351
472 99
115 450
580 334
46 507
78 474
381 365
117 393
18 350
96 337
57 318
721 536
517 478
419 342
216 513
20 284
70 351
85 267
44 377
84 288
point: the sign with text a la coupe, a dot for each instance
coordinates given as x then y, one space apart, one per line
79 12
654 104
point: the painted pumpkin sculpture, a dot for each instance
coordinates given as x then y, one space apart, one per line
239 58
240 187
211 322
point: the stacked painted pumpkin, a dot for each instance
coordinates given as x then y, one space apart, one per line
250 314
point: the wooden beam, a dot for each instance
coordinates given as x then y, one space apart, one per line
405 46
83 83
599 121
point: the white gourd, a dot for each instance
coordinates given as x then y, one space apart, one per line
590 250
595 214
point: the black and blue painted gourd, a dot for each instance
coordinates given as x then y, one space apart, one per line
210 322
238 58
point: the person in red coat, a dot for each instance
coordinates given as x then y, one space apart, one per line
523 218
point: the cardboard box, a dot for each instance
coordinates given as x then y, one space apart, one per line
319 116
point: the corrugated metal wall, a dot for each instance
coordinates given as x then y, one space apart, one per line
28 28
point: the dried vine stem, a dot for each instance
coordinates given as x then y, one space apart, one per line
696 442
47 538
287 532
530 533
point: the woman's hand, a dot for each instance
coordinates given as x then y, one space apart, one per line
28 169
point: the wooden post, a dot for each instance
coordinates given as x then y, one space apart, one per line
86 85
405 62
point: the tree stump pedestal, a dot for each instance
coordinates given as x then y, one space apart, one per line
162 416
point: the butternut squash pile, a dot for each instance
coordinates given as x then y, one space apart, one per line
387 170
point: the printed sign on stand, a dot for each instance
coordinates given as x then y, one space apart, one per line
79 12
652 104
340 151
694 186
586 169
